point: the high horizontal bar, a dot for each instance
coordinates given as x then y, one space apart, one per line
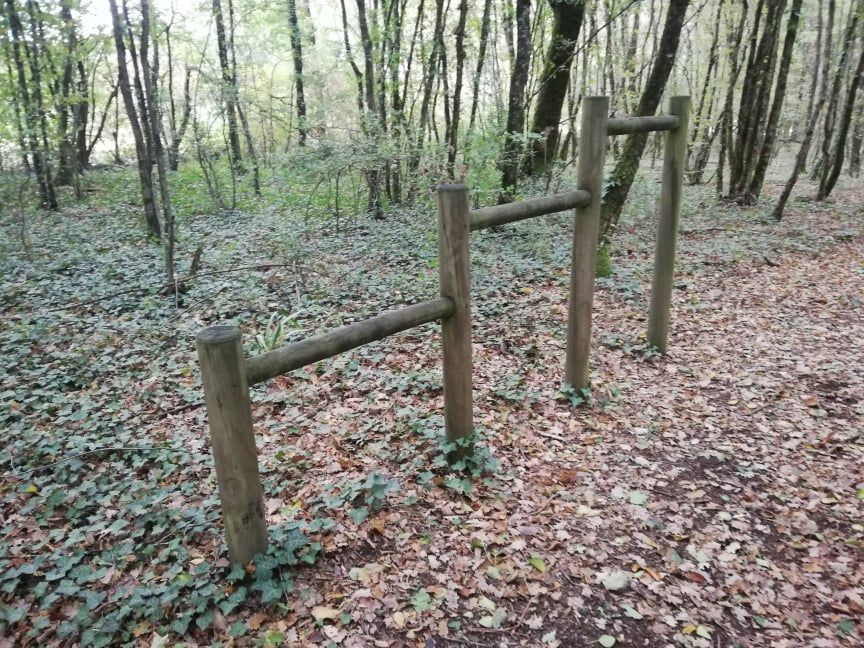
628 125
524 209
320 347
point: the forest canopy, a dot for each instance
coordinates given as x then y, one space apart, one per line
398 95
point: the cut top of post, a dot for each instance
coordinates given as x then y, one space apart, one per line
452 186
219 334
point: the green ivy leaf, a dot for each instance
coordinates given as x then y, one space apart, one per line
180 625
637 498
359 514
205 620
537 563
236 598
421 601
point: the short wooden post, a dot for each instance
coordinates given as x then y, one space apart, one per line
674 158
454 239
229 412
592 155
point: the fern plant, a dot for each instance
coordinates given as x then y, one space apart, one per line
273 335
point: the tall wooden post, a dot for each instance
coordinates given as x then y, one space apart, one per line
674 158
454 239
229 412
592 155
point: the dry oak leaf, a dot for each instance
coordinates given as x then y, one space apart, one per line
324 613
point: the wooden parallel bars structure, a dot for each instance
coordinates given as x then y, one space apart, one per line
227 375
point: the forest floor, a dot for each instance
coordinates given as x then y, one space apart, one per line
711 497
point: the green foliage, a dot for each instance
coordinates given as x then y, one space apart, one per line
574 396
273 335
482 151
649 351
512 388
421 601
362 497
174 588
464 460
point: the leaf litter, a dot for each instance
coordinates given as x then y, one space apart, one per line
708 497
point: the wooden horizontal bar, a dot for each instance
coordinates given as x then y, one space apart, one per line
628 125
319 347
524 209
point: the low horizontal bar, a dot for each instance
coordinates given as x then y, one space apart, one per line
628 125
524 209
320 347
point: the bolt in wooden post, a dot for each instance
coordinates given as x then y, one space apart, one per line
674 158
592 155
454 239
229 412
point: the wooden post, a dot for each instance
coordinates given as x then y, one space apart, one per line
454 238
592 155
674 158
229 412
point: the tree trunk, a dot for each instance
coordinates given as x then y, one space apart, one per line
702 120
777 103
817 66
35 123
453 131
395 25
250 151
513 136
725 120
155 125
66 159
177 128
546 126
370 116
429 80
90 143
178 132
803 152
831 150
754 104
817 71
856 143
834 164
627 165
481 59
138 86
229 86
145 174
509 13
81 118
247 132
358 75
297 55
